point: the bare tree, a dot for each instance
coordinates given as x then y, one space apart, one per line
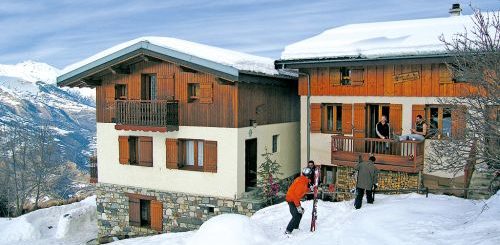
476 61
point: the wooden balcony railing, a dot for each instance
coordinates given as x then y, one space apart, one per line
404 156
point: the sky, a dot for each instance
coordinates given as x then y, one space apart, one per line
62 32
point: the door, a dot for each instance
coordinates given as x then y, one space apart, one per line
250 164
375 112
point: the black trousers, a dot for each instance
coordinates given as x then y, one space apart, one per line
359 197
296 217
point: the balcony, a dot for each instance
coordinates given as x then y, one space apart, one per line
142 114
391 155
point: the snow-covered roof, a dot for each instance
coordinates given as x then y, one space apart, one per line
380 39
227 61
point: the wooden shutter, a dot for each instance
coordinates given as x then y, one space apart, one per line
458 122
334 76
172 151
134 211
146 151
315 118
206 92
359 126
444 74
123 150
347 118
210 156
396 118
415 111
166 87
156 215
357 77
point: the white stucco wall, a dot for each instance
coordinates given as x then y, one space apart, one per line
321 143
228 182
288 154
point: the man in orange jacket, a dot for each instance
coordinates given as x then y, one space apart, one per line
295 193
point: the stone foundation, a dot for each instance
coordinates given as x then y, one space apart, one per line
387 180
181 212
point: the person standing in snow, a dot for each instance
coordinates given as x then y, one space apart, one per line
311 165
295 193
367 181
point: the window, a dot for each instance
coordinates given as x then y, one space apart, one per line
136 150
352 75
145 211
193 154
148 87
439 119
120 92
193 91
275 143
332 118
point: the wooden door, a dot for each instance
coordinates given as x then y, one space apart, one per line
250 164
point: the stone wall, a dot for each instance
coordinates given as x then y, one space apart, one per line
181 212
387 180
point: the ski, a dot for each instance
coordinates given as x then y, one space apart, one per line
315 199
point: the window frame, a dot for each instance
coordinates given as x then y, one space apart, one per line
197 166
346 76
441 108
152 87
275 143
120 87
193 87
336 108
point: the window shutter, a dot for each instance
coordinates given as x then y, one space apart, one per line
357 77
334 76
444 74
123 149
172 146
166 87
206 93
347 118
146 151
359 126
210 156
396 118
315 118
134 211
156 215
458 122
417 110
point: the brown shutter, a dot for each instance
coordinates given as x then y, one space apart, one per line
123 150
134 211
359 126
210 156
357 77
206 93
146 151
396 118
334 76
172 152
415 111
458 122
166 87
444 74
315 118
347 118
156 215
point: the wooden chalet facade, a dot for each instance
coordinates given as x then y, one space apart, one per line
180 132
348 89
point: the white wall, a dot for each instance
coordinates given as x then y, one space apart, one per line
288 154
220 184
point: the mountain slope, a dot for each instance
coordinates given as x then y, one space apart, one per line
29 96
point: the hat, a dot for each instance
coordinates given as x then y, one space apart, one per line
306 171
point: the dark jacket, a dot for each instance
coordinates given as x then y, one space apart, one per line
367 175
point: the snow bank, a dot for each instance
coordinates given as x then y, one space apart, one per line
229 229
67 224
238 60
380 39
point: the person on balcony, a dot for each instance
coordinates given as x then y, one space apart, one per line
383 130
367 181
420 126
295 193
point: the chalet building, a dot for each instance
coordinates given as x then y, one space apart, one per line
181 129
352 75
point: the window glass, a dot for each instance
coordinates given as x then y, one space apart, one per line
200 153
153 86
190 153
275 143
133 150
339 118
329 118
145 213
446 122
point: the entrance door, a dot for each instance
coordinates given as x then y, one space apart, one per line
375 112
250 164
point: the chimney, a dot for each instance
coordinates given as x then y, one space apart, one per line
455 10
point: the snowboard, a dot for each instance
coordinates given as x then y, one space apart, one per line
315 199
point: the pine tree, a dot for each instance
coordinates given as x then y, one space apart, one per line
268 180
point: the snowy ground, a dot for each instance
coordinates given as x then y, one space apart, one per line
397 219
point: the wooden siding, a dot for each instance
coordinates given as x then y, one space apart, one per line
267 104
424 80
